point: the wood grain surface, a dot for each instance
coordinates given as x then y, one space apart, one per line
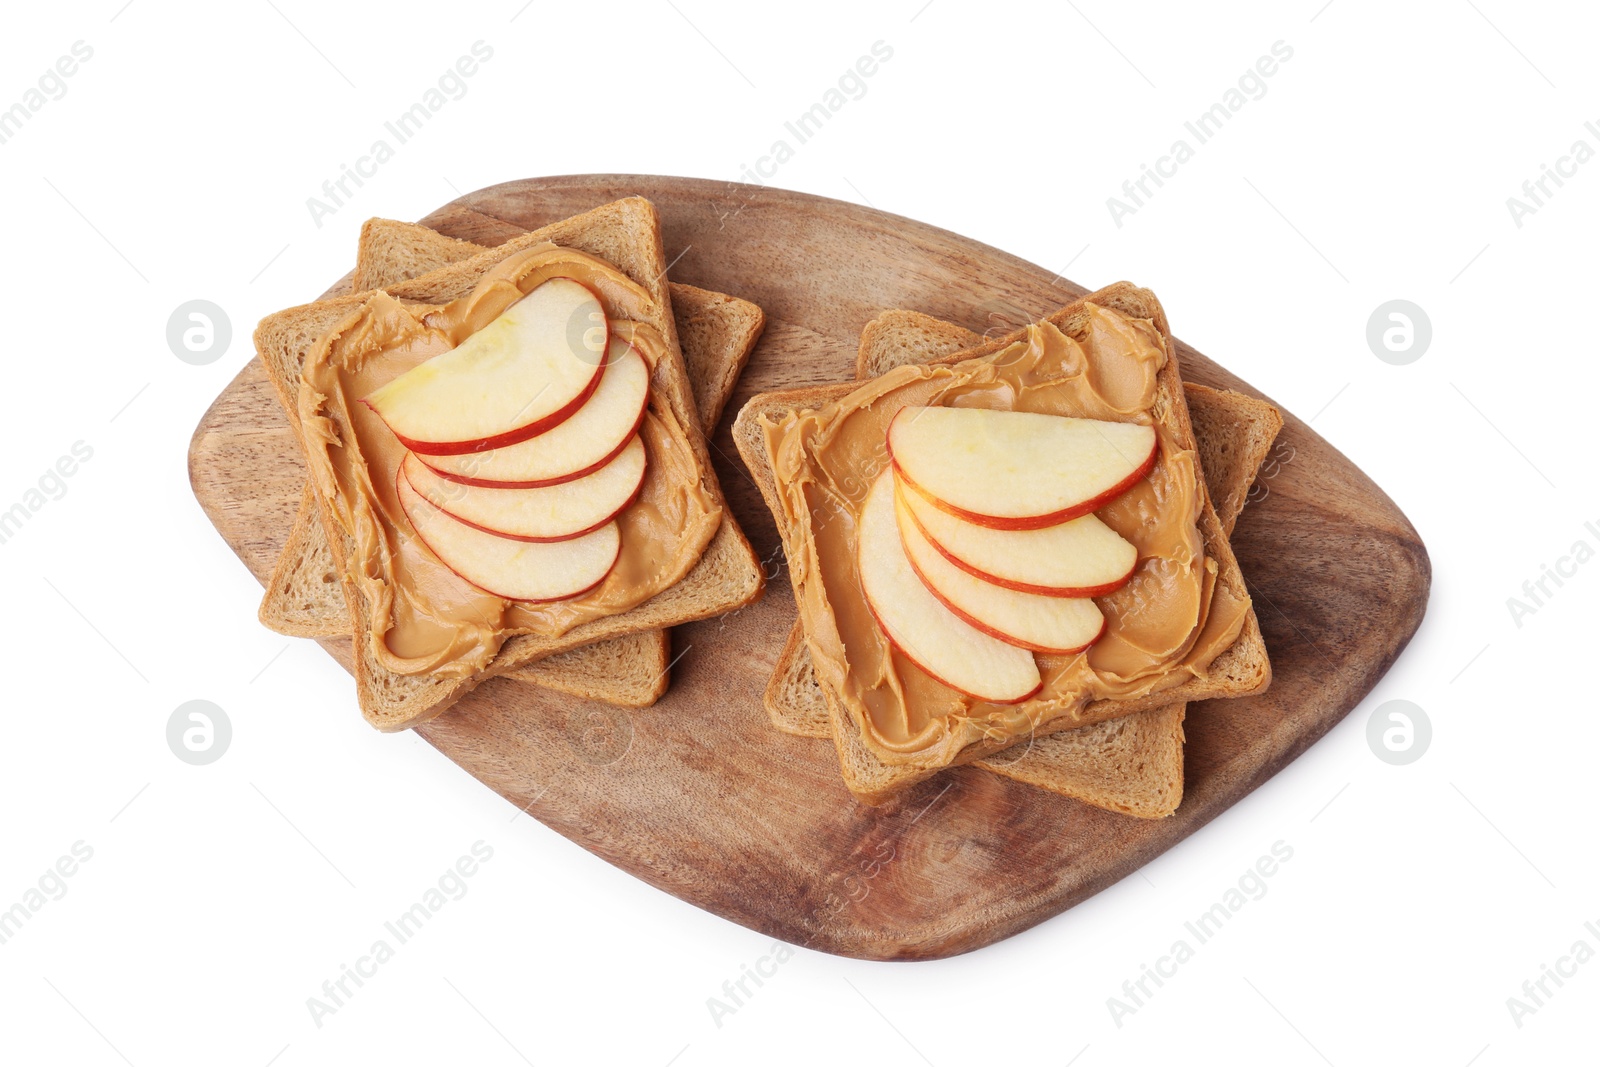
699 795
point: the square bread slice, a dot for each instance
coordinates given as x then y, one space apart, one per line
716 332
1132 765
1240 669
303 597
627 235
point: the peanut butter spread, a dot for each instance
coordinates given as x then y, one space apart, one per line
1163 627
423 618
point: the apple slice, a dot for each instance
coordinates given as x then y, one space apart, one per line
1081 557
553 513
579 446
512 570
520 375
1051 624
930 635
1017 470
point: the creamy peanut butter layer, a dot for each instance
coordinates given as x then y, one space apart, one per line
1163 627
423 617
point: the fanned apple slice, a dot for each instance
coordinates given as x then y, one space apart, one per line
924 630
1081 557
1051 624
513 570
1017 470
553 513
519 376
575 448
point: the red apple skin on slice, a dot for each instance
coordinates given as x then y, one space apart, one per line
953 652
521 375
1081 557
512 570
1017 470
1049 624
577 447
537 516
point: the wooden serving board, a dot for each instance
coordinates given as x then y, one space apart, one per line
699 795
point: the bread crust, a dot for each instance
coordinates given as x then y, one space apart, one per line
1132 765
303 597
626 234
1241 669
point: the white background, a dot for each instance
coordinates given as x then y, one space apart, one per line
1377 166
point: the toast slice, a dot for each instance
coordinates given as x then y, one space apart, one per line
303 596
716 332
392 253
625 234
1234 432
1132 765
1240 669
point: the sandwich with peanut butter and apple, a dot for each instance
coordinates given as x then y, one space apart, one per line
1132 765
716 333
512 468
1004 543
